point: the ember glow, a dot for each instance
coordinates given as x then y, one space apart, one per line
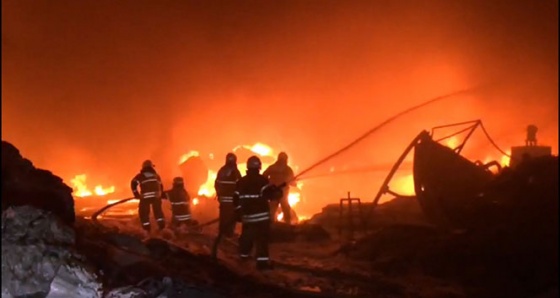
81 189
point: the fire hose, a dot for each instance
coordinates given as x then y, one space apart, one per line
96 214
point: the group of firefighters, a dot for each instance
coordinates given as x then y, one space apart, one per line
252 199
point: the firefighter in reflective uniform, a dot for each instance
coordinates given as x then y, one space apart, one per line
150 195
225 187
281 173
180 203
253 209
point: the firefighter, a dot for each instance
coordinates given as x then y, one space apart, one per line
225 187
180 203
151 193
531 139
281 173
252 207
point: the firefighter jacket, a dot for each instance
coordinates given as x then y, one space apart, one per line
150 184
249 199
279 173
225 182
180 203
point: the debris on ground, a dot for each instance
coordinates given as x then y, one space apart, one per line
512 252
39 259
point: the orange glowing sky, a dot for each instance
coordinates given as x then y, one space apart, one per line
95 87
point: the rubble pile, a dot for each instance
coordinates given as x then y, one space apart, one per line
23 184
38 255
515 254
38 259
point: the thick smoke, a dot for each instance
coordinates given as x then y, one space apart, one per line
99 86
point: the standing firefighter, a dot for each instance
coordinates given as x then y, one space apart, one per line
180 203
151 193
531 139
280 173
225 187
251 203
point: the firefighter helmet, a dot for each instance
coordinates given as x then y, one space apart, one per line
178 181
283 157
148 164
231 158
253 163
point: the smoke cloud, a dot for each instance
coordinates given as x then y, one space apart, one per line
96 87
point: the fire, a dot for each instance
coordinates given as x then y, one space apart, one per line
504 160
293 199
81 190
188 155
195 201
403 185
207 189
260 149
452 142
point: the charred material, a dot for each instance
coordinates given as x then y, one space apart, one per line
449 188
24 184
447 185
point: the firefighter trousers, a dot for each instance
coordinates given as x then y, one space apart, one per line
227 220
285 205
257 233
181 214
144 212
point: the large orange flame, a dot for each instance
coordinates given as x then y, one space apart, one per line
260 149
188 155
81 190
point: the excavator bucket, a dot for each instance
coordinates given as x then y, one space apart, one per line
447 185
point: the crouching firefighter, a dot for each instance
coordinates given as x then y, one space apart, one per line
180 203
251 200
150 195
224 185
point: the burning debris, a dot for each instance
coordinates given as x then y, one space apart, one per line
81 189
195 170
